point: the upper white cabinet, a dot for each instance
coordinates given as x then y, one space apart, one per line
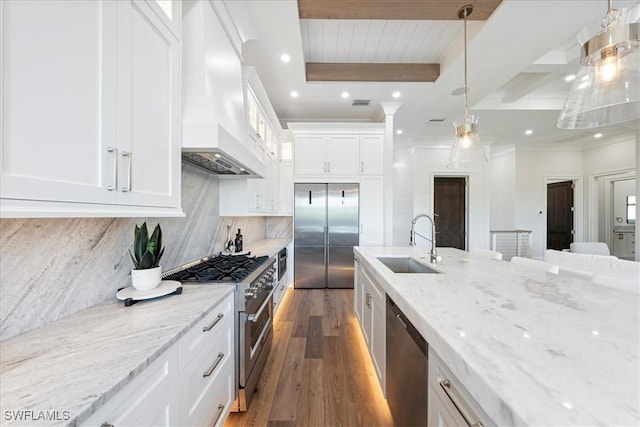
90 108
371 154
327 155
343 153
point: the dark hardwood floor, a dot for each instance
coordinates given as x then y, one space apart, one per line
319 372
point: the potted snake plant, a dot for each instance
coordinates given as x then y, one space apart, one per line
146 255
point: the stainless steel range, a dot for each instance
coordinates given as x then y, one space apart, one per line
255 279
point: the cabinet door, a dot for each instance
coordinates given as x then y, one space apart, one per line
378 340
371 154
371 207
58 115
148 109
343 155
285 188
310 153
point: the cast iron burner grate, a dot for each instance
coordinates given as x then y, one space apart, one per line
223 268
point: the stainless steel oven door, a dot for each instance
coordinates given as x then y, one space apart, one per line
255 328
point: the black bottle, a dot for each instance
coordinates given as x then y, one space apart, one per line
238 241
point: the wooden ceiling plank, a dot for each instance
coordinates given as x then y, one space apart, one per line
342 72
394 9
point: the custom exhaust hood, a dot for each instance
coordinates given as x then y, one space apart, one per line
214 126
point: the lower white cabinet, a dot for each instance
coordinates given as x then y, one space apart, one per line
373 321
150 399
190 384
450 404
624 245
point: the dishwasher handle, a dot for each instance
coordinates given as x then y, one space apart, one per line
408 326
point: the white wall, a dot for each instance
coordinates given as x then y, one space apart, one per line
403 180
534 169
503 195
430 162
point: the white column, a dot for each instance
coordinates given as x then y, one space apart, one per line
390 109
637 192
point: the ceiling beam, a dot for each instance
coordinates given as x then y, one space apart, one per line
377 72
430 10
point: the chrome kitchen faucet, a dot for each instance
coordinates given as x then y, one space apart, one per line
433 254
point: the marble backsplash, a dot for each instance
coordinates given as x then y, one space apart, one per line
51 268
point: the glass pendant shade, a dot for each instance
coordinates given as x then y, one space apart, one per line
467 151
606 90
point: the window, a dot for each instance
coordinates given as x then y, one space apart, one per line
631 209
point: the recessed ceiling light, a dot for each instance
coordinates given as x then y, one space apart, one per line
528 132
399 132
294 94
344 94
569 77
285 58
597 135
396 94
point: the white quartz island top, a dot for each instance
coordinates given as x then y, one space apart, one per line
74 365
532 348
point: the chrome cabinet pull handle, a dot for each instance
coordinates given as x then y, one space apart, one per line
399 317
115 168
361 167
214 323
128 156
220 410
209 371
106 424
329 167
254 317
450 391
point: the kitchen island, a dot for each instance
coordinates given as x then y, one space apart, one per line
532 348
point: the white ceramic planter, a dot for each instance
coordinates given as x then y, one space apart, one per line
143 280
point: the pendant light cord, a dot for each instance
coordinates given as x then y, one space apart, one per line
464 13
466 108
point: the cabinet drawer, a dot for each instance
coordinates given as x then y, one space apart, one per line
150 394
206 400
202 337
445 390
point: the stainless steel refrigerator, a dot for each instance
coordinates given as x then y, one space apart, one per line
325 232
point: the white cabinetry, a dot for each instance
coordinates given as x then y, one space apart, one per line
207 368
327 156
371 154
373 322
450 404
624 245
91 108
371 209
191 384
150 399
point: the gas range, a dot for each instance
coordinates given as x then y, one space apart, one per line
255 279
252 275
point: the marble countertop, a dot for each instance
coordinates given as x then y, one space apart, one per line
269 247
77 363
532 348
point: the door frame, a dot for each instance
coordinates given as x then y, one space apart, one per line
578 204
466 178
593 217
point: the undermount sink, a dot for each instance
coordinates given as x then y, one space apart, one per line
405 265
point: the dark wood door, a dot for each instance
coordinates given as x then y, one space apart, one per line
559 215
449 205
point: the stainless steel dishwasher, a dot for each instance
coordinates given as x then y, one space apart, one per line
407 362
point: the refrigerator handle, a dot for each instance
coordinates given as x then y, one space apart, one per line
325 230
309 196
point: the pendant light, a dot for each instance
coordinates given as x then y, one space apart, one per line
467 149
606 90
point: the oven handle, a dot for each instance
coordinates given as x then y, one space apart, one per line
254 317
